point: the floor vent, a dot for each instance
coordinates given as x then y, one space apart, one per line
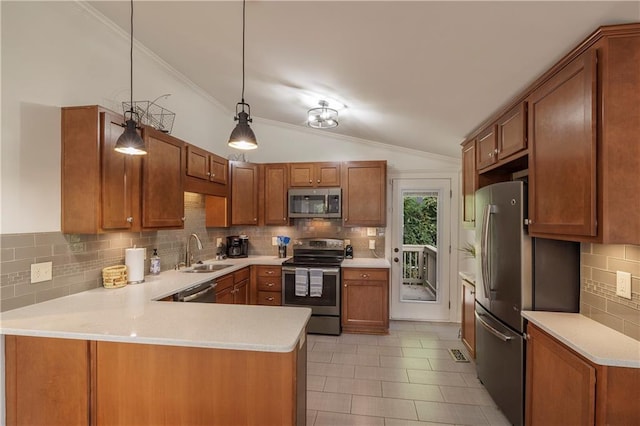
458 356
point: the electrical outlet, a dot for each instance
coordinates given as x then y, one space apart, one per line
274 241
218 242
371 232
623 284
372 244
41 272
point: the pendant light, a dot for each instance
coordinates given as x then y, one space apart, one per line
242 137
130 141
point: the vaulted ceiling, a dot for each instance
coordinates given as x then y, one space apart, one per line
416 74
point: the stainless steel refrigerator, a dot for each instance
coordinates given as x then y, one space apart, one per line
513 273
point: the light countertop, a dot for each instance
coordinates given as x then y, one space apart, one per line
596 342
131 314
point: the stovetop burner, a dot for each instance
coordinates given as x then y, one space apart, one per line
312 252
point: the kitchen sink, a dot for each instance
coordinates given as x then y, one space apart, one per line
208 267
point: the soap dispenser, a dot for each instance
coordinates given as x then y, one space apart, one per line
155 263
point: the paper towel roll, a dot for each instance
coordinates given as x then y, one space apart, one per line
134 259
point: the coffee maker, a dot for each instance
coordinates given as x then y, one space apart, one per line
237 246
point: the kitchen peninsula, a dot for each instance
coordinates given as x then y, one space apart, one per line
119 356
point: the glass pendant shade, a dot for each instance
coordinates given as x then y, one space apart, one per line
242 137
130 141
322 117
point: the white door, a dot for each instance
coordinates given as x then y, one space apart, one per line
420 249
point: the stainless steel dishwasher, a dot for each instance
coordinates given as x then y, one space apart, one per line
201 293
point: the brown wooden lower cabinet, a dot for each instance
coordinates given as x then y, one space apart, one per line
564 388
268 285
73 382
468 326
233 288
365 300
47 381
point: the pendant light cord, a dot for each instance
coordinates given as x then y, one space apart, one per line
131 61
243 31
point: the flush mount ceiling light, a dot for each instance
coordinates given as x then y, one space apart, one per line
322 117
130 141
242 137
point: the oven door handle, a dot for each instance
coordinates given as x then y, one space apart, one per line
199 294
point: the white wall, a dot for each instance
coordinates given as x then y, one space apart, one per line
62 53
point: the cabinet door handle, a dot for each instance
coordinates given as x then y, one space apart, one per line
183 218
130 219
208 173
345 286
310 181
318 181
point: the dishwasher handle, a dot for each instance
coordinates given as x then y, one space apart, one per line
199 294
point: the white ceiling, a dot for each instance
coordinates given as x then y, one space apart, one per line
416 74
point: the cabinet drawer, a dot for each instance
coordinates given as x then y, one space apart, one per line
241 275
269 298
269 271
269 284
224 282
365 274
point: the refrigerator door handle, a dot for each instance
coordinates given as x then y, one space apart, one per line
484 258
492 329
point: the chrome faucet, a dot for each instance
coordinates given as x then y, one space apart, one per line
188 255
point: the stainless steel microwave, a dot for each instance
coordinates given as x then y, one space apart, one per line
315 202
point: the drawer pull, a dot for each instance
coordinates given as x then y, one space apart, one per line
270 299
270 284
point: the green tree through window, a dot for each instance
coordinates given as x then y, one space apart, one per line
421 219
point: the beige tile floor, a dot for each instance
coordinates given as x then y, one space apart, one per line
407 378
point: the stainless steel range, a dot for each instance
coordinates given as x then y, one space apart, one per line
311 278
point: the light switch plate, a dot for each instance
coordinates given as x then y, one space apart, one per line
41 272
274 241
372 244
218 242
623 284
371 232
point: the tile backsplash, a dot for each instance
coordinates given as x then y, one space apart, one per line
598 299
78 259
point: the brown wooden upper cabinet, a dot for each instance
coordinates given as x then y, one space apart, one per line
276 183
364 193
562 167
244 193
206 173
512 131
487 147
314 174
580 118
102 190
469 181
